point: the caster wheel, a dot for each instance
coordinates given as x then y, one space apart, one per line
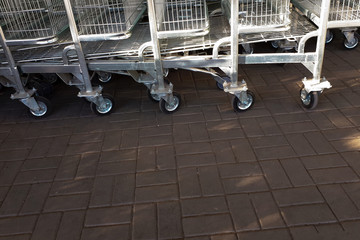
153 97
220 85
351 45
329 37
275 44
109 106
246 49
43 88
45 107
309 100
104 77
170 108
243 106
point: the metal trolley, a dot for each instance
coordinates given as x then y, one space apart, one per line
32 22
181 18
64 55
150 50
260 15
107 19
344 14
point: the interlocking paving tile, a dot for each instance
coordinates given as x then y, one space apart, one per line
203 206
277 171
308 214
47 226
209 224
71 225
169 224
243 213
282 234
296 172
298 196
108 216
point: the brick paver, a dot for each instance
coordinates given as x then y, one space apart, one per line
277 171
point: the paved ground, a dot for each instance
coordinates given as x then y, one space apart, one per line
274 172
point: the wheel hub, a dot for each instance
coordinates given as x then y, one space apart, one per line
245 104
305 97
106 107
41 111
172 106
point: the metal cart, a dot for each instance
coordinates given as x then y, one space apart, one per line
181 18
65 56
145 57
10 77
344 14
107 19
32 22
260 15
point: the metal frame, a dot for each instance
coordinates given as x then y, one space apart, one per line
13 79
32 22
343 14
145 57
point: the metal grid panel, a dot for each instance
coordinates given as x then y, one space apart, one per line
32 21
260 15
181 18
340 10
107 19
344 10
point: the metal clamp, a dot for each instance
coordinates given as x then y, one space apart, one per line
316 85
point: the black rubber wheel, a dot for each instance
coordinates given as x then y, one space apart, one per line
104 77
110 104
243 106
43 88
45 107
329 37
309 100
352 45
220 85
155 97
275 44
167 108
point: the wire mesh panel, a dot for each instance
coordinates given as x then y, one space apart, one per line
260 15
344 10
181 18
107 19
340 10
32 21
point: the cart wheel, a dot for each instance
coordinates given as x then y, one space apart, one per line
351 45
45 107
309 100
104 77
275 44
329 37
153 97
109 106
167 108
243 106
220 85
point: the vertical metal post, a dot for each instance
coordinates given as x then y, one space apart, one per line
155 43
11 62
78 47
321 39
234 42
